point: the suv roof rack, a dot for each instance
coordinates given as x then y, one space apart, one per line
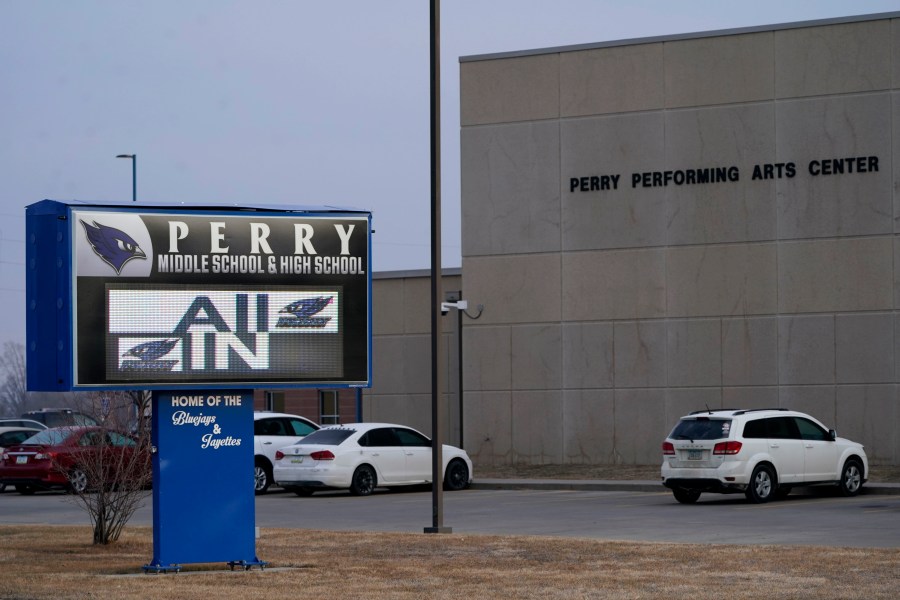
745 411
734 411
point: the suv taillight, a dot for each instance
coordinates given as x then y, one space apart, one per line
728 448
322 455
668 449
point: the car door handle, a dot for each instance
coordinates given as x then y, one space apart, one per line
267 443
773 445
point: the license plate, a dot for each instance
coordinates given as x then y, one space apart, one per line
297 461
695 454
21 460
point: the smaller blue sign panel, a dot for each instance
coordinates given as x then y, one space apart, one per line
203 499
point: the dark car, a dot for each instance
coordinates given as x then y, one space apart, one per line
74 458
59 417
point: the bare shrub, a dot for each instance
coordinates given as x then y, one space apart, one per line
13 396
111 474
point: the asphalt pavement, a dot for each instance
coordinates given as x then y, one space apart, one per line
600 509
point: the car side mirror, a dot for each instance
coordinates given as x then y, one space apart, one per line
832 434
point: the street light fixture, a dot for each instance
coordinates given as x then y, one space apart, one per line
133 158
455 302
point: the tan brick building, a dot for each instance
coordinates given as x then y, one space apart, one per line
659 225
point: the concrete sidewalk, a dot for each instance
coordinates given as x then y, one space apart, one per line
608 485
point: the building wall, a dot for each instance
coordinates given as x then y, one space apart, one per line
611 312
401 353
306 403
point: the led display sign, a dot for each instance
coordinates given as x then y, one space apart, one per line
164 298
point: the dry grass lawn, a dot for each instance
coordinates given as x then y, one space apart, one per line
46 562
38 562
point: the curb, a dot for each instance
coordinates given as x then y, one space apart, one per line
594 485
602 485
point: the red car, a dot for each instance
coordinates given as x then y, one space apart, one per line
73 458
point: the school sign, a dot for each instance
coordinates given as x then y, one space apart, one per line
201 305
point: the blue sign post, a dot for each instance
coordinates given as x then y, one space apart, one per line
203 498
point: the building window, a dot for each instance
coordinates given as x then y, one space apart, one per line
275 401
328 407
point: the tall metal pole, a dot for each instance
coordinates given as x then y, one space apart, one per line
459 369
437 363
142 400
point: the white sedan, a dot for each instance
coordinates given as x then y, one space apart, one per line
363 456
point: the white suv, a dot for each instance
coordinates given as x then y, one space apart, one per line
271 432
760 452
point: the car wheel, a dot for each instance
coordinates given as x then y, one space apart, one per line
685 495
78 481
364 481
762 484
262 477
851 478
25 489
457 476
303 492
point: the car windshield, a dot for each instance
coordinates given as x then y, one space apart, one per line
117 439
14 437
48 437
701 428
326 437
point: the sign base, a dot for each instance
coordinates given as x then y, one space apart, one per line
247 565
438 530
161 568
204 507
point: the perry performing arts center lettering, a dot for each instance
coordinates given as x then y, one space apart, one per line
724 174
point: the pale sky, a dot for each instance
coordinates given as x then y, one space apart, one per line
279 102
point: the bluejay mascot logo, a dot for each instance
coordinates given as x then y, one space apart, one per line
113 246
148 356
302 313
152 350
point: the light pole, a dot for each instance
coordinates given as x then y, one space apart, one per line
455 301
141 399
133 158
437 374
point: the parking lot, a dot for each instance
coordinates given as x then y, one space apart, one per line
820 518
